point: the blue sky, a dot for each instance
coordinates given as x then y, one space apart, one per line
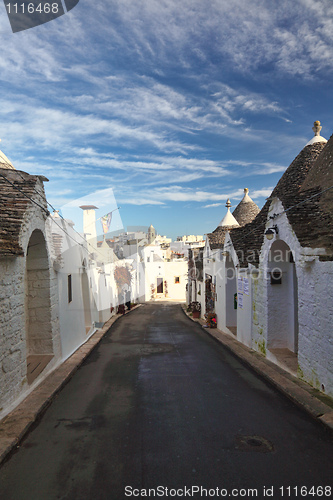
163 107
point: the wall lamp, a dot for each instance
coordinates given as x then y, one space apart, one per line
270 232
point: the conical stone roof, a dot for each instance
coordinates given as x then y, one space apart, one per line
246 209
217 237
228 220
304 213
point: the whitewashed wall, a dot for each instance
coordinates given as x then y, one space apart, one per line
76 317
315 314
244 307
151 270
176 291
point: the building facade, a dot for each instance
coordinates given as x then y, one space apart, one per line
271 279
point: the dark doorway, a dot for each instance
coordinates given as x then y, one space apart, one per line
159 285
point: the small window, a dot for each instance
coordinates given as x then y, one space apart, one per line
177 279
70 290
276 277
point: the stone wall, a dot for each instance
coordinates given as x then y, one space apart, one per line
22 289
315 315
13 365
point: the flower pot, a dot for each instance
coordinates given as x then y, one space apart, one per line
196 314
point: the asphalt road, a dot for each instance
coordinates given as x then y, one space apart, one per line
159 407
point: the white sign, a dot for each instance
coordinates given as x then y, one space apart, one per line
246 286
240 284
240 300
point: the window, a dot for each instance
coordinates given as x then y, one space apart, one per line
70 290
177 279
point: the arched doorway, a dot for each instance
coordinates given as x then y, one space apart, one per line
37 307
282 299
230 294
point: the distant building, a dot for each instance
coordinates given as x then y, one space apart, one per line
151 234
189 238
161 277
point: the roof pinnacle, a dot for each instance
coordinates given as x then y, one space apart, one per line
317 127
317 137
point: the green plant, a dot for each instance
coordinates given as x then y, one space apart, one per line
195 306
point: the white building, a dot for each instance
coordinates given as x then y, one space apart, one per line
190 238
160 277
271 279
205 268
78 309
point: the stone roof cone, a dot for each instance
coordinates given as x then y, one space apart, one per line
308 216
246 209
228 220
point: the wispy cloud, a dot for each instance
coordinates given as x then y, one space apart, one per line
212 205
169 102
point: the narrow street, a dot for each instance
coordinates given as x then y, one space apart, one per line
161 404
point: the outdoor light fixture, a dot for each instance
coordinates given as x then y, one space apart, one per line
270 232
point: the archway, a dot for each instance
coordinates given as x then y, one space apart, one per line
230 294
282 299
37 307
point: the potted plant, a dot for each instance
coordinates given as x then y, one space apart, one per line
121 309
196 309
211 320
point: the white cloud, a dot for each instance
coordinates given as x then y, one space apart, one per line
261 193
212 205
138 95
140 201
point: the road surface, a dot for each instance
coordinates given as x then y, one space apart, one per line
161 410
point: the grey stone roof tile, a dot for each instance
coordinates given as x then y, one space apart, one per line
13 206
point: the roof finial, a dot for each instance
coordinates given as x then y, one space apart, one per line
317 137
246 190
228 220
317 127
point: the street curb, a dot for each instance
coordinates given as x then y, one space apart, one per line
302 394
17 423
